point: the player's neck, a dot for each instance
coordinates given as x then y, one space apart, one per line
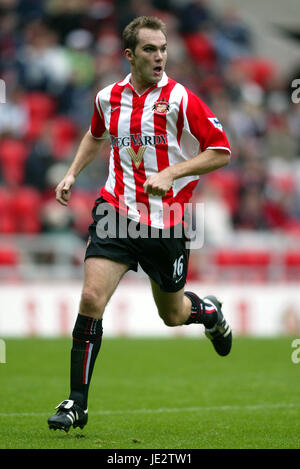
140 86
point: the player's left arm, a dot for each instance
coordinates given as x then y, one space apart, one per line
205 162
203 125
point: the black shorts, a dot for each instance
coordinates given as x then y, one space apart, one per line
162 254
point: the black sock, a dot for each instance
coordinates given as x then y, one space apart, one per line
201 312
87 337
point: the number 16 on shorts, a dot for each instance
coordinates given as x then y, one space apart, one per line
178 268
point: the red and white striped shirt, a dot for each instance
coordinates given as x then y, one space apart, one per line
165 125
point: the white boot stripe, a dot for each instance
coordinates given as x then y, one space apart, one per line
70 417
210 303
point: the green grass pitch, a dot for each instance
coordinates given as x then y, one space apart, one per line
166 393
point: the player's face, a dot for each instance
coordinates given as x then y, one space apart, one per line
149 58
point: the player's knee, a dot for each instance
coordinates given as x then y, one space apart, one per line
92 302
171 319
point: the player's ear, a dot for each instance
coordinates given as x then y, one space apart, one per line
129 55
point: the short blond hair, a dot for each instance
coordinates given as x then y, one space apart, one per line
130 33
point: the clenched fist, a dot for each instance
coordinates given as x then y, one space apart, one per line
63 190
159 184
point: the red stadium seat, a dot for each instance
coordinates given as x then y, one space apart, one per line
27 206
81 204
228 184
13 154
291 262
5 199
30 225
8 223
246 258
64 133
257 69
41 108
243 265
292 258
9 255
201 50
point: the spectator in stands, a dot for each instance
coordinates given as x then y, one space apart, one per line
43 63
195 15
14 119
38 162
250 214
232 36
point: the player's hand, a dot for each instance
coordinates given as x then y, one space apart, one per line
63 190
159 184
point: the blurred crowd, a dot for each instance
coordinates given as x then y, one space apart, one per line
56 54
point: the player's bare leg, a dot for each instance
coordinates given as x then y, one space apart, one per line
101 278
183 307
174 308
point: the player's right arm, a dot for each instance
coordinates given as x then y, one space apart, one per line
87 151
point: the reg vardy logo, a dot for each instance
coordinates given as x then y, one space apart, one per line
137 140
136 144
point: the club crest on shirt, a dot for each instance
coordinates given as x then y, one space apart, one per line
161 106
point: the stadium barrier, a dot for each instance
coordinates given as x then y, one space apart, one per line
49 310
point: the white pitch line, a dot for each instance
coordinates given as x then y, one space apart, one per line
163 410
